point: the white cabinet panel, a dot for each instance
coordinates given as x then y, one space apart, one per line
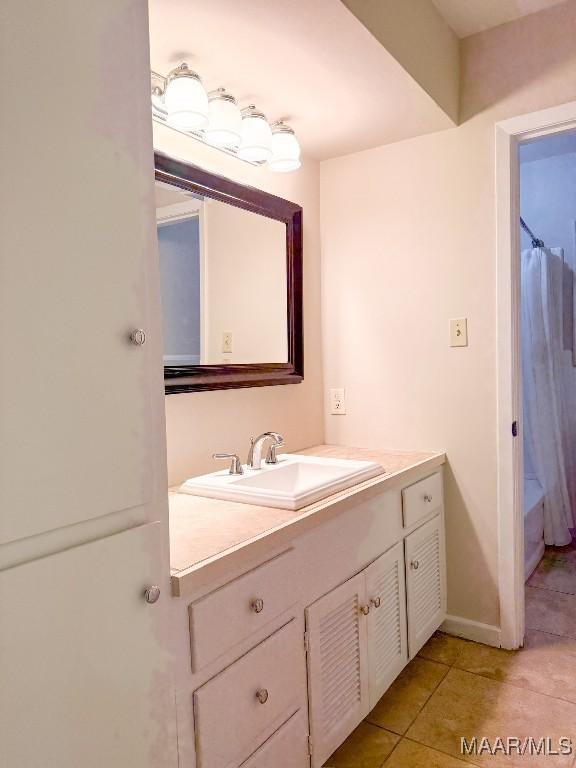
241 707
85 679
425 582
337 667
287 748
240 608
421 499
80 406
387 636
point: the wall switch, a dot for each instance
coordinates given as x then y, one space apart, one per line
337 402
227 342
459 332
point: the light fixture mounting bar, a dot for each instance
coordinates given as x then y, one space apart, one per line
213 118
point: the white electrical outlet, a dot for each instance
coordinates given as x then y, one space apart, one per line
227 342
459 332
338 402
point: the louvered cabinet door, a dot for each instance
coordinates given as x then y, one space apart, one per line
337 667
387 633
425 582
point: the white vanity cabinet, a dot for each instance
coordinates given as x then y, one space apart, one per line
425 582
289 656
356 640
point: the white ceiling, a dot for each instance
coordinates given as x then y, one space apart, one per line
548 146
312 63
466 17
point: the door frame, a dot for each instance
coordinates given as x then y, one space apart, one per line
509 134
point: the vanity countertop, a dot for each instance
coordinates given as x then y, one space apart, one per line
205 531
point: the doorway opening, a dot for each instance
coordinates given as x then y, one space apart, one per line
547 237
536 258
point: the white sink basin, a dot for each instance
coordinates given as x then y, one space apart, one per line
291 484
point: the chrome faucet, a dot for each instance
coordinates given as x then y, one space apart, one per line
256 446
235 466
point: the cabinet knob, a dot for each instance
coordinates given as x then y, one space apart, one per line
365 609
375 602
138 337
152 594
427 497
415 564
257 605
262 695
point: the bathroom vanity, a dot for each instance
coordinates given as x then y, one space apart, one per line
290 625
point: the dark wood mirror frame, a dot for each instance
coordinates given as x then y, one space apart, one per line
197 378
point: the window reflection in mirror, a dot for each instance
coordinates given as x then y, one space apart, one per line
223 279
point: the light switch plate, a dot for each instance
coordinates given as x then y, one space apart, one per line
459 332
338 402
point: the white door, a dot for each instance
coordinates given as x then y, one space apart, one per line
425 582
84 674
387 634
337 666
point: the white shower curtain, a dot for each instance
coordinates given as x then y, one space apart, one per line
542 362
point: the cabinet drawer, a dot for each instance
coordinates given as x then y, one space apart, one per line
288 747
232 613
231 721
421 499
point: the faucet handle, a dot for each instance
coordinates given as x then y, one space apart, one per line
271 457
235 466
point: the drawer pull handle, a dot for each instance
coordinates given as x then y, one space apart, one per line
365 609
415 564
138 337
427 497
375 602
257 605
152 594
262 695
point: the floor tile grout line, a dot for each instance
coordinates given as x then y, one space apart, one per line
554 634
441 751
550 589
432 692
518 687
394 748
402 735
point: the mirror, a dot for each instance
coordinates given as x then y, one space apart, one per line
231 281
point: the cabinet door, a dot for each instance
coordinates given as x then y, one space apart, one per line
425 582
85 676
387 636
81 407
337 667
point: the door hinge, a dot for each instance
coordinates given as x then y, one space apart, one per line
514 429
306 641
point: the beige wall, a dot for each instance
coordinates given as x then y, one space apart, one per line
201 423
408 241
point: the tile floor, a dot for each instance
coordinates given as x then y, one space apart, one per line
457 688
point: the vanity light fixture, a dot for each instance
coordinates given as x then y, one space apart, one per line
180 101
225 119
185 99
256 144
285 148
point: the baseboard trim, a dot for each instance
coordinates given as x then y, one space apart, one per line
472 630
